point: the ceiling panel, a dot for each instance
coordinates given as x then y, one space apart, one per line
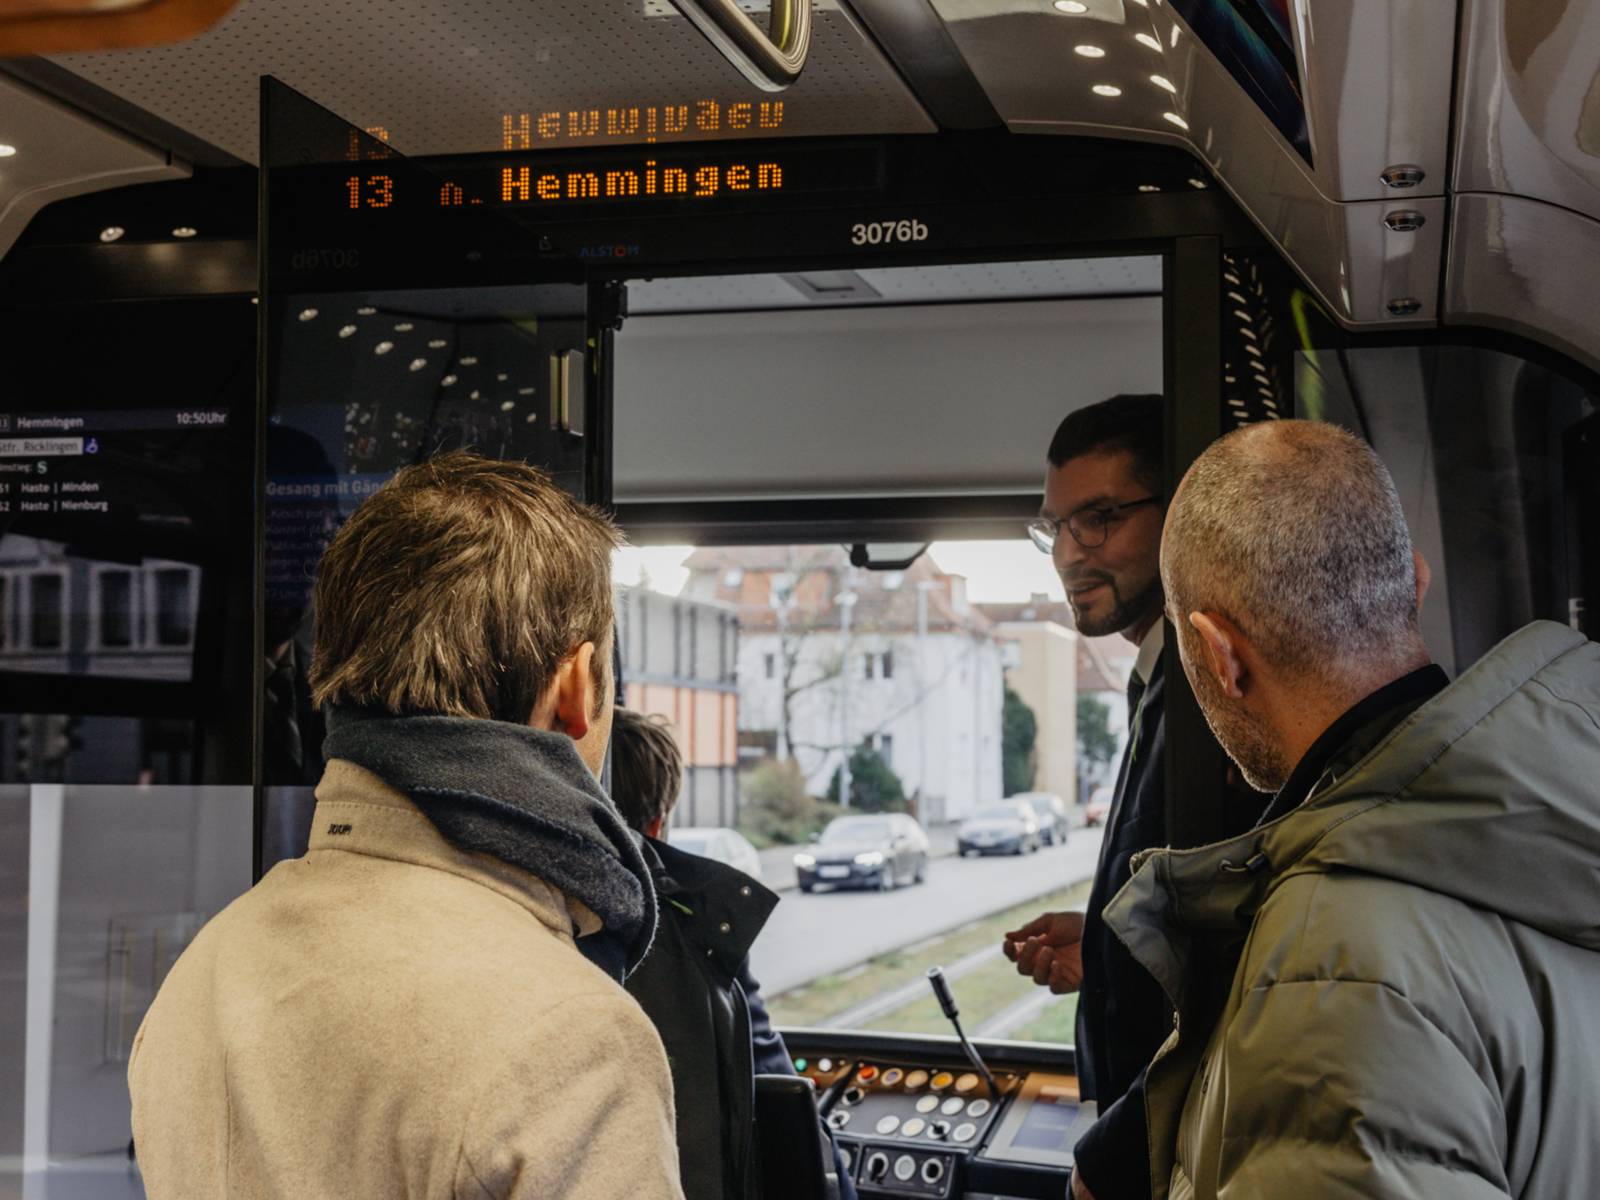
447 78
1053 279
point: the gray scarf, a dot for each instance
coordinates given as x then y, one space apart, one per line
523 796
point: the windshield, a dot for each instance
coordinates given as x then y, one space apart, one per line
855 831
998 812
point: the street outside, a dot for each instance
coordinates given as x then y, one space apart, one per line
847 943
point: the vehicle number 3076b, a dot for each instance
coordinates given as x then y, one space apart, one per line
879 233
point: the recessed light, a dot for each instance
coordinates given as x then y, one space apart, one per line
185 231
1165 84
308 314
1175 35
1072 8
1089 51
418 364
347 331
404 327
524 391
366 310
469 360
1198 183
1144 39
383 347
1175 119
1106 89
1148 187
111 233
436 344
6 150
507 405
447 381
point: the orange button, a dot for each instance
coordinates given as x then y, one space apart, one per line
941 1081
867 1074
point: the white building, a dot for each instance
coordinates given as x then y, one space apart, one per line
897 660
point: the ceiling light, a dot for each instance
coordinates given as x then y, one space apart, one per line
185 231
366 310
347 331
1144 39
502 377
1165 84
404 327
418 364
1106 89
507 405
1200 184
6 151
1175 119
436 344
308 314
111 233
532 417
469 360
1175 32
1089 51
1072 8
383 347
447 381
1148 187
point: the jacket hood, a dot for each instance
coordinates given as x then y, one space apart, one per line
1488 793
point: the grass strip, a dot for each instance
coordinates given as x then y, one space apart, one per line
814 1002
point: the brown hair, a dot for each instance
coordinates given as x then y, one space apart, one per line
646 767
458 588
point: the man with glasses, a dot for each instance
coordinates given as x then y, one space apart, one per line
1101 524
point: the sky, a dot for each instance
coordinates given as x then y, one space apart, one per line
996 571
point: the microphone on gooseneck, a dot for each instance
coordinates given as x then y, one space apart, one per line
947 1001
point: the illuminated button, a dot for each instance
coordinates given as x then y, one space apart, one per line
952 1106
892 1076
888 1124
967 1082
824 1065
942 1080
839 1119
964 1132
866 1074
800 1064
905 1167
913 1127
927 1104
978 1107
915 1080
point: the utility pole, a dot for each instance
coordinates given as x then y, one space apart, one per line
847 602
924 586
781 597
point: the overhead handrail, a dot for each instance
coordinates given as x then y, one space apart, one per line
771 60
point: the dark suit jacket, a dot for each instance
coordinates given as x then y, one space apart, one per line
1123 1015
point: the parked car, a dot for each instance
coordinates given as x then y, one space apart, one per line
882 850
1098 808
723 845
1005 828
1051 813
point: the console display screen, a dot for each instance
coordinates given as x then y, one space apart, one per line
1254 40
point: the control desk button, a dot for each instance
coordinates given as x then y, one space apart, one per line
952 1106
905 1167
913 1127
888 1124
939 1129
824 1065
853 1096
893 1076
942 1080
964 1132
866 1074
978 1108
839 1118
967 1082
800 1065
927 1104
915 1080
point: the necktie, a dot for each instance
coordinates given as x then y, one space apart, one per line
1135 695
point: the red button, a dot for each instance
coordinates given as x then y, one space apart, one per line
867 1074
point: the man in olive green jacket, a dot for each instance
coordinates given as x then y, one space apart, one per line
1411 934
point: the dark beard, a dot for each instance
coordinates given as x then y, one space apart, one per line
1125 614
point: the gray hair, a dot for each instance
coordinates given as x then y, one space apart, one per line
1293 530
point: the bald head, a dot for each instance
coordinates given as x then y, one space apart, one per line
1293 530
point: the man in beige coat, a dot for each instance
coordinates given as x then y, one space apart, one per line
429 1003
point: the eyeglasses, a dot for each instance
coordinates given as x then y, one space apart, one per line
1089 526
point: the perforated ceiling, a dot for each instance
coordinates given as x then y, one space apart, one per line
444 77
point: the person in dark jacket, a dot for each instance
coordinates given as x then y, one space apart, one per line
1101 523
695 984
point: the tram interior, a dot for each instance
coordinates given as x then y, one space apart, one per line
779 417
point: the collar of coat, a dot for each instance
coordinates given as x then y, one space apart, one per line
1486 793
360 814
719 908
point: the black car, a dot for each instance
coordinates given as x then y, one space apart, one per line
879 851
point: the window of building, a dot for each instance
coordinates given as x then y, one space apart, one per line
47 610
113 616
174 595
770 662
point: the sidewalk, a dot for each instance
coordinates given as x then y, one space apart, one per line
777 863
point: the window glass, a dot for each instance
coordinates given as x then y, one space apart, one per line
116 609
863 724
46 593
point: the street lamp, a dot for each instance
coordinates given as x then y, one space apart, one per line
781 597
